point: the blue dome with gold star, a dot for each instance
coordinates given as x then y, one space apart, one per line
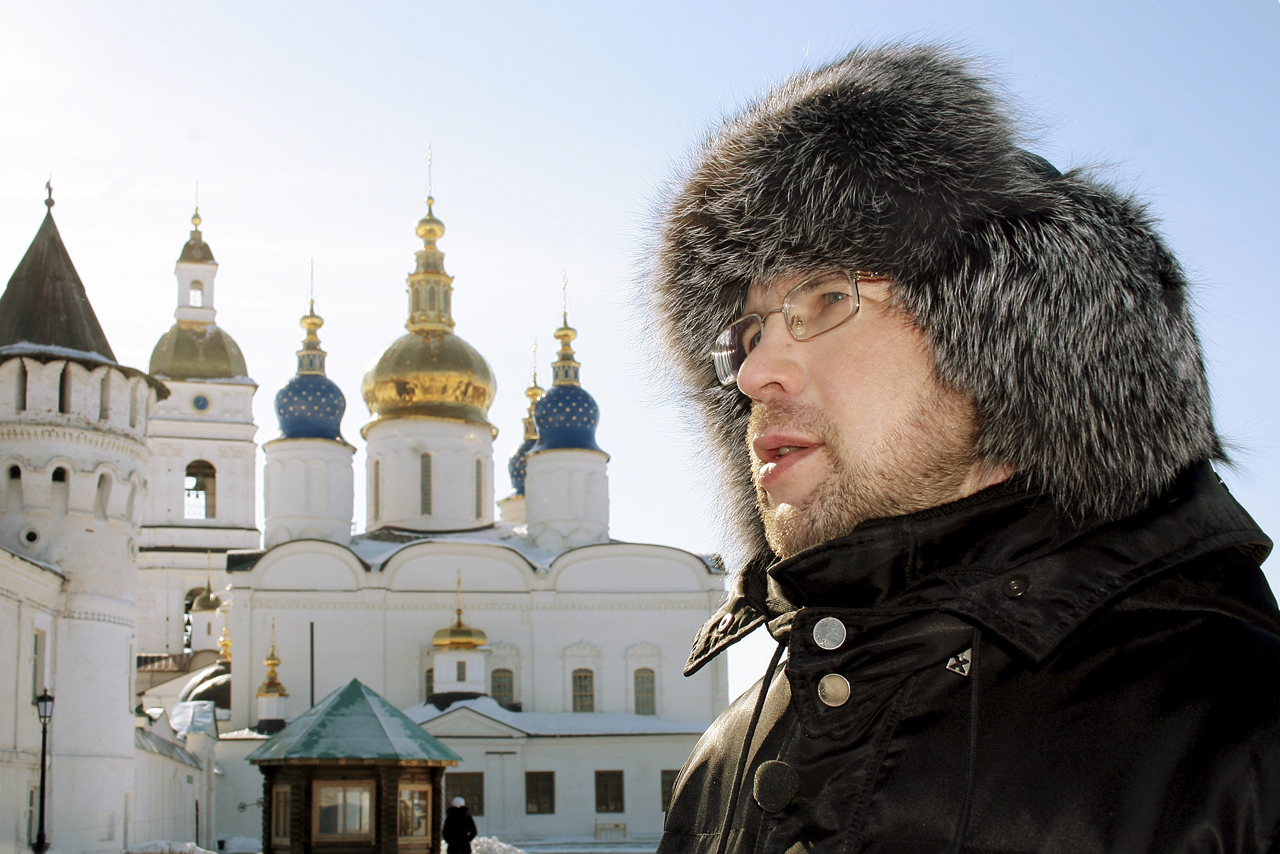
310 406
567 415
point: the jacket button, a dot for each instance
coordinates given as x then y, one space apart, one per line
1016 586
833 689
776 784
725 622
828 633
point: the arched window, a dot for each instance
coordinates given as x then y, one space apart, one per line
644 692
584 690
59 475
200 485
424 484
502 687
196 299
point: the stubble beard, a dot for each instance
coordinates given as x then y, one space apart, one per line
922 462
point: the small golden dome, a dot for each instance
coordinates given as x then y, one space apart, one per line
197 351
459 636
429 227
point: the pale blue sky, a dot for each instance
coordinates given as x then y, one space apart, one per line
554 128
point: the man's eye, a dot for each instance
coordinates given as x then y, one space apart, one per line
753 341
833 297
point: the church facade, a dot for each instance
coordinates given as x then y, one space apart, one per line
541 651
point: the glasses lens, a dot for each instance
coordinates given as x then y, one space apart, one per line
730 350
820 304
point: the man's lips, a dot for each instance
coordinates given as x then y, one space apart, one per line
779 454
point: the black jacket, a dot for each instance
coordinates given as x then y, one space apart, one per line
1017 682
459 829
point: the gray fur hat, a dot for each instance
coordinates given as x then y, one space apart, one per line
1049 297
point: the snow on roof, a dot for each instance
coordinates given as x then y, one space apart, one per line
42 564
558 724
353 722
152 743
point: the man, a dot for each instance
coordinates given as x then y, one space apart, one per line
963 423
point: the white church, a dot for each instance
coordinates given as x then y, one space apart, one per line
176 636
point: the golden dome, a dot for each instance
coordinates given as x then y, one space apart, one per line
197 351
430 372
459 636
207 600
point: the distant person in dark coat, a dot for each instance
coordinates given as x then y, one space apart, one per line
459 827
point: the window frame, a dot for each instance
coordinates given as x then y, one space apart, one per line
651 695
414 786
583 701
540 786
509 675
474 795
604 782
669 778
345 785
281 805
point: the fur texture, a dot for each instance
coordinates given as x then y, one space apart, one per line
1049 297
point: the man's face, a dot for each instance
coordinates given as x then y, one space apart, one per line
852 424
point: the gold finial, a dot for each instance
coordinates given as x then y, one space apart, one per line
565 369
459 599
534 393
196 220
224 644
272 661
48 185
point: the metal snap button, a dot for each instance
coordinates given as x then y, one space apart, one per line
1016 586
828 633
725 622
833 689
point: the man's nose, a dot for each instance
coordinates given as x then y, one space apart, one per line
773 368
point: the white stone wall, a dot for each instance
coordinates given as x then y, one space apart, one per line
308 490
632 605
394 465
567 498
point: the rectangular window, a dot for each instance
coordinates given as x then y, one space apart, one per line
343 809
468 785
479 487
413 812
540 792
37 663
609 791
424 475
377 489
280 798
668 787
502 687
584 690
643 684
462 671
431 682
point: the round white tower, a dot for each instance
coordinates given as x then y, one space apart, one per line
73 463
430 444
566 479
309 485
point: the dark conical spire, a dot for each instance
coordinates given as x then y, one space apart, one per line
45 303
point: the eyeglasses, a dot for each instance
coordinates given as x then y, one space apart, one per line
816 305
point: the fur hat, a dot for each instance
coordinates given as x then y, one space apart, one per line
1048 297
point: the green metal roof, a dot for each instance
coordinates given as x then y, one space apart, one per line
353 723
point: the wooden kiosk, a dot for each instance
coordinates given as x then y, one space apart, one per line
352 775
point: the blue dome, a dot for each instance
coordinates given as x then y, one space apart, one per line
310 406
517 465
566 417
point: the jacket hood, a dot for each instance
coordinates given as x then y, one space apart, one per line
1049 297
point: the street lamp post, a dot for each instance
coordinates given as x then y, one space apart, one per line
44 708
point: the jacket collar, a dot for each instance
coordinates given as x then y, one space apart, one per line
1004 559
